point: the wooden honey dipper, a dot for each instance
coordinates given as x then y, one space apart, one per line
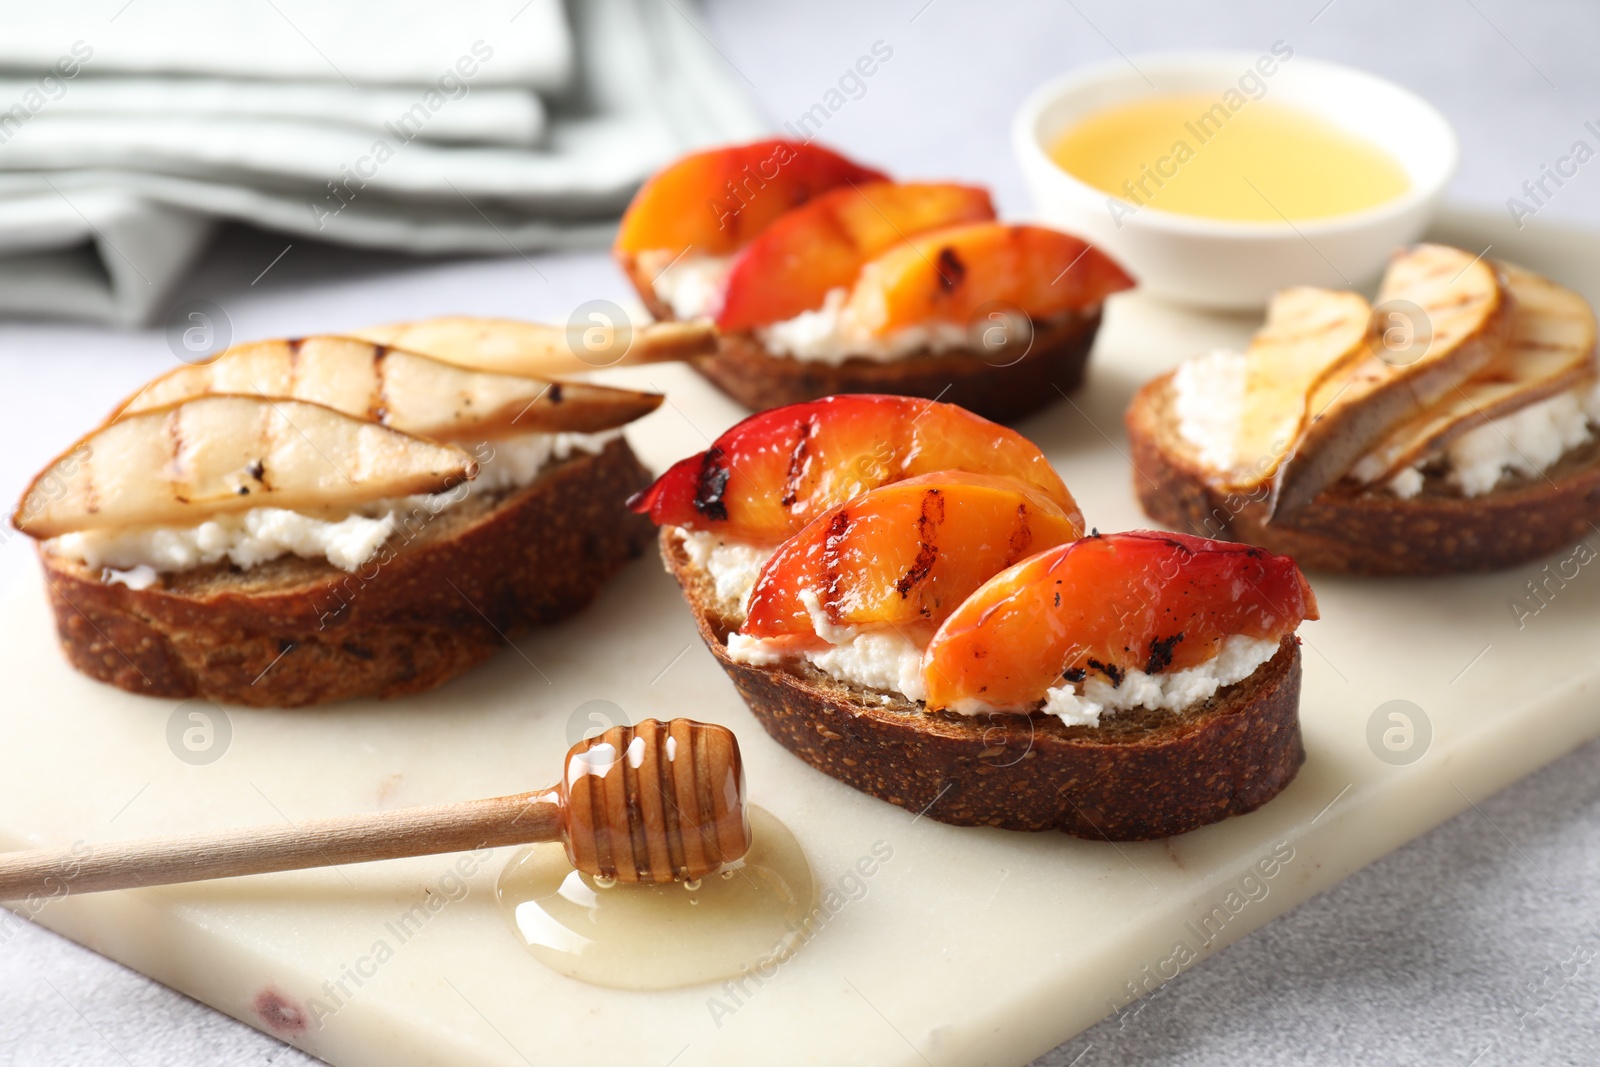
656 802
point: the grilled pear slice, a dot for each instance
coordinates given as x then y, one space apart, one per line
1453 308
184 464
510 346
400 389
1309 334
1551 350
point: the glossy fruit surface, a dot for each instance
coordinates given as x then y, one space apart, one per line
956 274
792 264
1108 604
715 201
903 555
770 475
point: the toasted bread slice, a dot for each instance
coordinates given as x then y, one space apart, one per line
1364 531
1003 388
439 598
1139 775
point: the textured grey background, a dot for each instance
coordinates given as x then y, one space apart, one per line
1476 944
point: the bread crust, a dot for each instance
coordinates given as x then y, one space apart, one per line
746 371
1365 532
1139 775
444 593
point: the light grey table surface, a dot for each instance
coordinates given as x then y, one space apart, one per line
1474 945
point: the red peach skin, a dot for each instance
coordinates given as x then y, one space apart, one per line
904 554
1107 604
793 263
715 201
952 275
763 480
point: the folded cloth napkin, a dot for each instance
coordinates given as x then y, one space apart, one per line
484 115
424 137
396 42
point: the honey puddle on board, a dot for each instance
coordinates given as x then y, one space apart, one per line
663 936
1264 162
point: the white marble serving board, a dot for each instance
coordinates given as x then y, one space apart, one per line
967 947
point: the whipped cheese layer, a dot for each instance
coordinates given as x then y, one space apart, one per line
136 556
732 565
1084 703
1209 404
692 287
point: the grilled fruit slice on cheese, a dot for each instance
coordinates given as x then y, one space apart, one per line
822 245
1310 334
180 465
1107 605
960 273
1458 316
511 346
1552 349
904 555
399 389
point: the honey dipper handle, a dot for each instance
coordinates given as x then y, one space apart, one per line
256 850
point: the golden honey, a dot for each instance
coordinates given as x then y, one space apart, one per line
1262 162
752 915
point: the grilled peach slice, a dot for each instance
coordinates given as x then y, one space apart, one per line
794 262
1145 600
950 275
715 201
768 476
902 555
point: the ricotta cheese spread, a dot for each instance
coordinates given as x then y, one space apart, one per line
692 287
733 566
830 335
135 555
871 657
1209 404
1235 661
1525 442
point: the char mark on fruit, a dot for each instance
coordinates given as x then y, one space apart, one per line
1021 538
832 550
797 462
711 484
556 396
1074 674
1161 653
951 270
1110 670
928 550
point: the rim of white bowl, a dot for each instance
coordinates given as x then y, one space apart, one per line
1026 140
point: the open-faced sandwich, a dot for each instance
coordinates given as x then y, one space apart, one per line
904 595
311 520
825 276
1452 428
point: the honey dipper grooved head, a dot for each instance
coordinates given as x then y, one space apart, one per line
656 802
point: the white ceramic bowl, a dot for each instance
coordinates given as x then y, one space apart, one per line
1238 264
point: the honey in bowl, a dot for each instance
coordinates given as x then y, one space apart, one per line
1264 162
